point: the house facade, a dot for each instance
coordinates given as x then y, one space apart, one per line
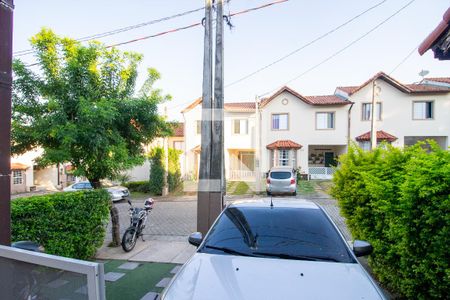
310 132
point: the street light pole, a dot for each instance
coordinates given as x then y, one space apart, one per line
6 29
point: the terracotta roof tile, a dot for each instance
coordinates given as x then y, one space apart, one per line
347 89
326 99
18 166
381 136
284 144
240 106
439 79
434 36
417 88
178 129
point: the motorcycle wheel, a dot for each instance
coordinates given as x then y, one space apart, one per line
129 239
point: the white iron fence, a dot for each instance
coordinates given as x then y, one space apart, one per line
320 172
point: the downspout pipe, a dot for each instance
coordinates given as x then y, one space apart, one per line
349 120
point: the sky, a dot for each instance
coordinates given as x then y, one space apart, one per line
256 39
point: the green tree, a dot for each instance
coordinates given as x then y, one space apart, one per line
157 170
80 106
174 173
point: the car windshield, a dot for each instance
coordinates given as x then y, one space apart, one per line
280 232
280 175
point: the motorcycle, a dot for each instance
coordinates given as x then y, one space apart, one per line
138 219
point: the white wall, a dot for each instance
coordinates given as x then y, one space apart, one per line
302 127
397 109
28 159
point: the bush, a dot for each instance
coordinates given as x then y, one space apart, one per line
66 224
399 201
174 176
156 170
138 186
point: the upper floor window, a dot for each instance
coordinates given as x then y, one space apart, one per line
240 126
367 111
423 110
198 127
179 145
325 120
280 121
17 177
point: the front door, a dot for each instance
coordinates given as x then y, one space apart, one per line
329 159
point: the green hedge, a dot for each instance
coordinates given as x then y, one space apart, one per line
66 224
398 200
174 174
157 170
138 186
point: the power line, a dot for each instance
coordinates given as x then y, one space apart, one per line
404 60
119 30
344 48
305 45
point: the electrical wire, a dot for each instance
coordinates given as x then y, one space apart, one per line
404 59
119 30
305 45
343 49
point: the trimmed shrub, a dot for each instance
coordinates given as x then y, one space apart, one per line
66 224
398 200
156 171
138 186
174 176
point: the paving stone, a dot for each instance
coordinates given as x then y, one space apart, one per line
164 282
113 276
150 296
57 283
128 266
175 270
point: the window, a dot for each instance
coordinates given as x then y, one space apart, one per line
367 111
284 232
423 110
283 157
17 177
179 145
240 126
198 127
280 121
325 120
365 145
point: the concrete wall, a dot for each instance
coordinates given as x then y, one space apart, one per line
397 114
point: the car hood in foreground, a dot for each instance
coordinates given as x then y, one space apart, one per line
208 276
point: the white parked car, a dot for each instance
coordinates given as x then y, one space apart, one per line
291 250
117 192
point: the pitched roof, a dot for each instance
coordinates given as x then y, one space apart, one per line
381 136
18 166
312 100
406 88
436 34
178 129
284 144
231 106
439 79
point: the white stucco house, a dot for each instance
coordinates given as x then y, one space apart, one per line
310 132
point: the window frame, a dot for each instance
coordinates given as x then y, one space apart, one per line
380 111
334 120
18 178
286 159
423 101
233 126
287 123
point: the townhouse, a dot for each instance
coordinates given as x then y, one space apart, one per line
310 132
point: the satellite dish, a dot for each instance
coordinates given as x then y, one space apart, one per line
423 73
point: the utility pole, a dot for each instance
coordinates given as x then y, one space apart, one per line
203 201
211 187
6 30
217 153
373 131
258 146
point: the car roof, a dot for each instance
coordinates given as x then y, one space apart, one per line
285 168
277 202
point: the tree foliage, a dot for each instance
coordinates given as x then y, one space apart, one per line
156 171
81 106
398 200
174 174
